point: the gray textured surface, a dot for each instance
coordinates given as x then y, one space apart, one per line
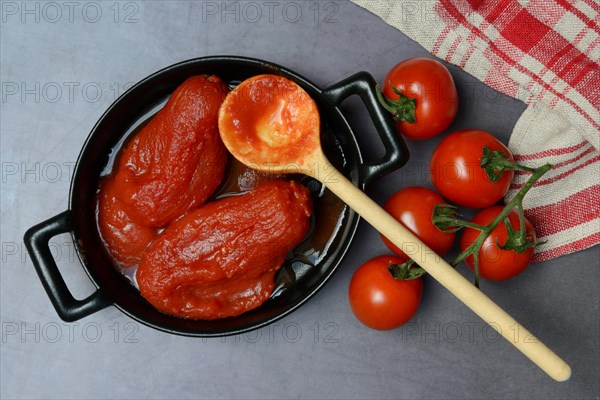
62 65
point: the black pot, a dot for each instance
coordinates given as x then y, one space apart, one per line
307 268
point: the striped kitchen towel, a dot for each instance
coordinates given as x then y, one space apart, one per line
545 53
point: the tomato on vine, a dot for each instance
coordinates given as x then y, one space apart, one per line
472 168
499 242
412 207
421 95
506 251
385 292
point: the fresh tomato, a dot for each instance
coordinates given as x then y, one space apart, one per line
435 104
456 171
496 264
413 207
379 300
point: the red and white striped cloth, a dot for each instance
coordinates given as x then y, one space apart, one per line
545 53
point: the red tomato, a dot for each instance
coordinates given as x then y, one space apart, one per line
429 82
380 301
496 264
456 172
413 207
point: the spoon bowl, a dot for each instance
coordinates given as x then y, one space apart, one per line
270 123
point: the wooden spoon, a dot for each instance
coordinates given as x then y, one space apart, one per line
271 124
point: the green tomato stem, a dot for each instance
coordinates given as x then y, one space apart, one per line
406 271
403 109
522 233
496 163
516 201
446 219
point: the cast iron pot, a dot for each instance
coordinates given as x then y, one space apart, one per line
306 269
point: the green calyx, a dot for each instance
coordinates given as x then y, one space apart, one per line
496 162
402 109
444 217
517 240
406 271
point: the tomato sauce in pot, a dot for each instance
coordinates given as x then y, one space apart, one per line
141 225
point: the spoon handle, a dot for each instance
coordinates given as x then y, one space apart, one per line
445 274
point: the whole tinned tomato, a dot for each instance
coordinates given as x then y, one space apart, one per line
379 300
413 207
432 87
220 260
456 171
170 166
496 264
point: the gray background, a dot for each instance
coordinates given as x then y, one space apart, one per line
64 63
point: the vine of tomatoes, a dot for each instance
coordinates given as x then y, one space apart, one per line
469 168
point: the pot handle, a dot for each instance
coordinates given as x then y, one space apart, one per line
396 153
36 240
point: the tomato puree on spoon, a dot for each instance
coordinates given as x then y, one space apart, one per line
269 119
